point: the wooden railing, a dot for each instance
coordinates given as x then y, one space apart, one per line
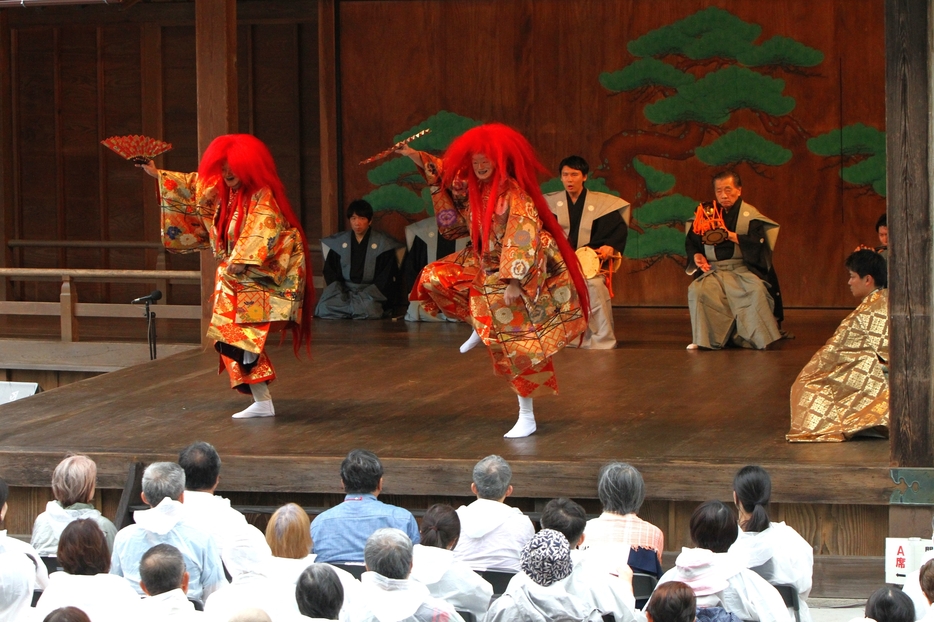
70 309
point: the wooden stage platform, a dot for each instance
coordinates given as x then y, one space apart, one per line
687 419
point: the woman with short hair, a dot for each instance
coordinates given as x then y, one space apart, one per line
73 484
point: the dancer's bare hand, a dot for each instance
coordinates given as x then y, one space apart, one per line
150 169
412 154
701 262
236 268
513 292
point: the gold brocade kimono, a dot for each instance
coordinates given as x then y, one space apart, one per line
247 305
842 391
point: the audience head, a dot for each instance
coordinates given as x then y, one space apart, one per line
752 488
546 559
441 527
253 614
202 466
319 592
890 604
882 229
672 602
926 579
67 614
868 271
620 488
82 548
361 472
567 517
17 575
389 552
162 480
288 533
162 569
491 478
73 480
713 527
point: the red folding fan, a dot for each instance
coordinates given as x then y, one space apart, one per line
135 148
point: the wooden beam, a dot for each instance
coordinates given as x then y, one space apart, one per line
6 148
216 62
328 90
908 84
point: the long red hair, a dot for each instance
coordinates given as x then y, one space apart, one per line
249 159
512 157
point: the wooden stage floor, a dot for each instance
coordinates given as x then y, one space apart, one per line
687 419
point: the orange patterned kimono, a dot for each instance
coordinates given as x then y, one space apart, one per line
522 337
267 296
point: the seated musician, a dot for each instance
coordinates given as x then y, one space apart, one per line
360 269
843 391
599 221
734 295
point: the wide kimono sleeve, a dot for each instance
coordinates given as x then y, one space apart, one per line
186 214
266 243
452 211
521 257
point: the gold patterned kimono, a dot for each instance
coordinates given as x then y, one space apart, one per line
266 296
842 391
524 336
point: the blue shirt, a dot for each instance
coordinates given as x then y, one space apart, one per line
339 534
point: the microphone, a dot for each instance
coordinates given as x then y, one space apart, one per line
154 296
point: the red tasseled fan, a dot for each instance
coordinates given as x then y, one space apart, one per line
136 149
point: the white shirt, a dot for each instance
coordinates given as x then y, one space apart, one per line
399 600
719 579
287 570
49 525
530 602
595 580
493 535
104 597
17 577
12 545
172 605
780 556
450 580
212 514
253 590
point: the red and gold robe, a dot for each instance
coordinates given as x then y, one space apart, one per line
521 337
267 295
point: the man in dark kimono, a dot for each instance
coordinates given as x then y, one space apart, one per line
599 221
425 245
360 269
734 296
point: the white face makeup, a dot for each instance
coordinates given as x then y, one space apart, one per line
232 181
482 167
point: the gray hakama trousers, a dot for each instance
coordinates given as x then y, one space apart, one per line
731 303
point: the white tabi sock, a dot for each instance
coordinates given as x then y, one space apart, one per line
525 426
262 404
471 343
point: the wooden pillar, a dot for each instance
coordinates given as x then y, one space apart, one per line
216 62
152 125
6 149
911 276
329 101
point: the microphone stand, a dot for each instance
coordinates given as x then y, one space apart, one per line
151 321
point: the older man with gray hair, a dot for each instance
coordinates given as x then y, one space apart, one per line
166 522
618 531
493 534
387 589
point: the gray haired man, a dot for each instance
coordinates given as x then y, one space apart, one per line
492 533
165 522
387 588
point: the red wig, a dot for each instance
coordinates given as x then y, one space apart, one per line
512 157
249 159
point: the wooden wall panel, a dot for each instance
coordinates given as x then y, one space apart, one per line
536 65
